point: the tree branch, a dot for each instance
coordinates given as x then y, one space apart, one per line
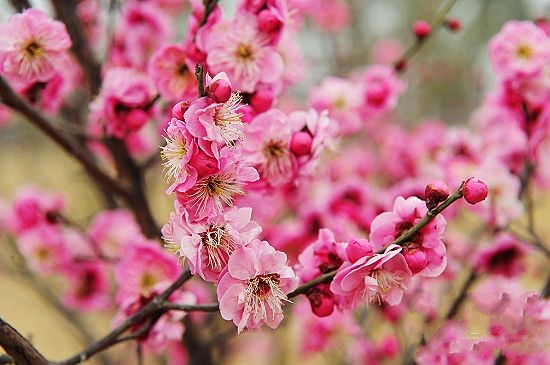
21 351
20 5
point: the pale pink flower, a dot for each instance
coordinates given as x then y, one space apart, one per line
88 286
372 279
44 249
330 15
216 122
179 148
32 46
425 251
173 73
143 267
520 48
111 230
267 147
253 288
237 48
207 244
342 99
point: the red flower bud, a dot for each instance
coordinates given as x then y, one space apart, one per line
453 24
220 91
422 29
204 164
179 109
474 190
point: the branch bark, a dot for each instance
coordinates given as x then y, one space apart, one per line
18 347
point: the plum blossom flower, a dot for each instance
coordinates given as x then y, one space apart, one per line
253 288
88 286
520 48
208 243
213 192
381 89
425 252
372 278
32 46
503 257
177 152
44 249
237 48
170 69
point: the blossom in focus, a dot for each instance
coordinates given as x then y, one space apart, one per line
253 288
32 46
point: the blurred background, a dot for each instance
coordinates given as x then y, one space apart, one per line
446 80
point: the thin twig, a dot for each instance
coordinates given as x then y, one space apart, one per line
462 295
152 308
20 5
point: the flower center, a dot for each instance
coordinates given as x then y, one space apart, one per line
278 162
32 49
172 154
219 245
147 281
219 187
264 289
386 282
228 120
244 52
524 51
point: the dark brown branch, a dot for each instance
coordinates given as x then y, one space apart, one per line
66 12
20 5
11 99
153 308
212 307
21 351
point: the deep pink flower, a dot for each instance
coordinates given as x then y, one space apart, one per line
32 46
207 244
88 286
178 151
44 249
381 89
372 279
425 252
32 208
520 48
503 257
253 289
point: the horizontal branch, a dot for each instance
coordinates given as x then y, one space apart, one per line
21 351
211 307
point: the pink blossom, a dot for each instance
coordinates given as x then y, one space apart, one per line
44 249
342 99
381 89
330 15
475 190
178 151
208 243
88 286
111 230
253 288
425 252
503 257
237 48
373 279
125 101
32 46
520 48
267 147
173 73
143 267
32 208
211 193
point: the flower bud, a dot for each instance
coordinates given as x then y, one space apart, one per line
204 164
358 248
262 100
179 109
300 144
268 21
220 91
421 29
453 24
474 190
416 260
436 192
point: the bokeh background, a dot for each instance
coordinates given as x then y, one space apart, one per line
446 80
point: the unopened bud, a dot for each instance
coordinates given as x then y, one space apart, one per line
204 164
436 192
220 91
300 144
268 22
453 24
262 100
474 190
179 109
422 29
